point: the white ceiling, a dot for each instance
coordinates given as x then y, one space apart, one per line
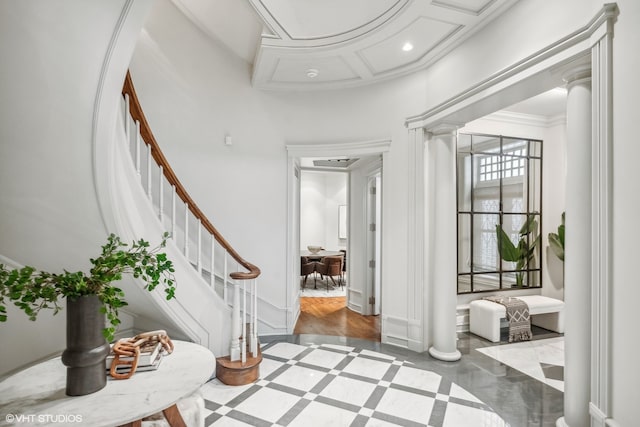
549 104
347 42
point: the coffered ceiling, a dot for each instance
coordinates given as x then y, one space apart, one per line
323 44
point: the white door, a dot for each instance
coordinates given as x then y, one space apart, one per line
373 242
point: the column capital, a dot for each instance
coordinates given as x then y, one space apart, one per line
577 75
444 128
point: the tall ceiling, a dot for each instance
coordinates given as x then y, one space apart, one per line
321 44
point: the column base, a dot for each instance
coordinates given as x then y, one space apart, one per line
445 355
560 422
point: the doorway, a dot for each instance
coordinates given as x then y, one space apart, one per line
366 159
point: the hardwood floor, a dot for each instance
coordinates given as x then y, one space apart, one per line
330 316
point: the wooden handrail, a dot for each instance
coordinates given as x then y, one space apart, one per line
156 152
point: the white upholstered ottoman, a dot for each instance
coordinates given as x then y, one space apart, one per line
485 316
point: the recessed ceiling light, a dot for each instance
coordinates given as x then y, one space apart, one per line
312 73
407 47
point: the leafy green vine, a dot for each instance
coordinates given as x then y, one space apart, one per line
32 290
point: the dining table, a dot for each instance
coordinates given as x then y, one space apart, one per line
318 256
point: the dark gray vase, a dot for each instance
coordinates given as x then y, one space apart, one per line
87 349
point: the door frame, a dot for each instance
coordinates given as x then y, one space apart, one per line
294 153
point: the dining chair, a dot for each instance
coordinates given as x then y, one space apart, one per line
331 266
307 267
344 265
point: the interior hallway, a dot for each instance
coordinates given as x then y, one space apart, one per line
330 316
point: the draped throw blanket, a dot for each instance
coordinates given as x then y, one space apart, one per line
518 317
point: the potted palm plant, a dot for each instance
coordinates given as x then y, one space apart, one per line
91 297
556 241
524 252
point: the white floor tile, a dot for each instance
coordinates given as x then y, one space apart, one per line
374 422
417 378
460 393
348 390
367 368
268 404
229 422
465 416
318 414
410 406
285 350
299 378
267 366
220 393
323 358
557 384
527 356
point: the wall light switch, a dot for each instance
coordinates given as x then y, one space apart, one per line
227 140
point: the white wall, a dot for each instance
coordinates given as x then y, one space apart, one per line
320 195
53 55
193 97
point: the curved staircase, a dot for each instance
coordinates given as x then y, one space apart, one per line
210 269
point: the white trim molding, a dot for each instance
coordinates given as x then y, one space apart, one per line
495 86
601 216
417 299
342 148
526 119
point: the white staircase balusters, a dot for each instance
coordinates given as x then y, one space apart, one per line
225 291
186 231
149 174
243 349
161 195
254 323
138 138
173 212
234 352
199 261
212 277
127 120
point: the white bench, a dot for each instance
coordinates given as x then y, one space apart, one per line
485 316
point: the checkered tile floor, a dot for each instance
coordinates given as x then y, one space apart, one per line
334 385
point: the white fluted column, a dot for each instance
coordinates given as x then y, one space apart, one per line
442 242
577 292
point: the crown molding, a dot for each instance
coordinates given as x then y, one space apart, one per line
526 119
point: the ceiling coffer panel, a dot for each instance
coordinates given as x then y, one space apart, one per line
327 69
313 19
473 7
423 33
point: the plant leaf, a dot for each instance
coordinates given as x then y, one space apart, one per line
506 248
556 245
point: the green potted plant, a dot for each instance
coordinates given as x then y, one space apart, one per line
90 298
556 241
524 252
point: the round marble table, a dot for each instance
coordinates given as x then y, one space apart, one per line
36 396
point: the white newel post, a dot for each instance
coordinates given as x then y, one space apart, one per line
442 242
577 291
